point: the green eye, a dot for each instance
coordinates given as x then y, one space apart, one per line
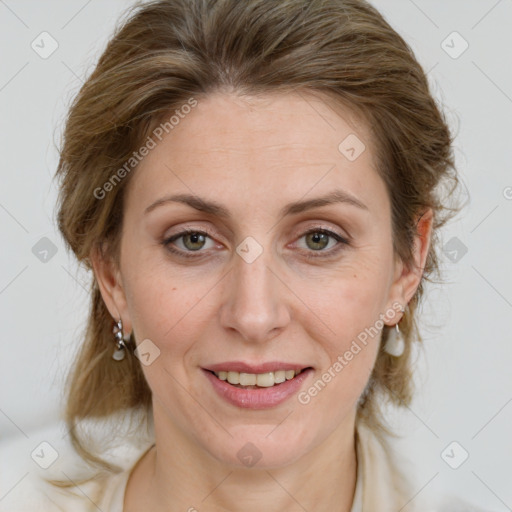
190 242
321 241
317 240
194 241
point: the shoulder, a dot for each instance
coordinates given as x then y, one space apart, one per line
32 492
388 477
25 473
24 495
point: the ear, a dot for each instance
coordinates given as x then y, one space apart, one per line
407 280
110 284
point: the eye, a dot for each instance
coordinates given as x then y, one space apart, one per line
190 241
187 242
323 241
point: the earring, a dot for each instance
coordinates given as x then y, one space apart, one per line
395 344
120 339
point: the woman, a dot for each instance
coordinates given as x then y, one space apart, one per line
254 186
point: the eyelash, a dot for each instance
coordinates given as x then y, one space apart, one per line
311 254
331 252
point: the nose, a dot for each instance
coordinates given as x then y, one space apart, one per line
255 303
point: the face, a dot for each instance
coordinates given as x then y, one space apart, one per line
248 269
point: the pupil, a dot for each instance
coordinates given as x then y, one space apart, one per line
196 238
319 239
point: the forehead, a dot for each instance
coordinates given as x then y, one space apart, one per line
229 145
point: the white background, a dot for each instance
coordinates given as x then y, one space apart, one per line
464 378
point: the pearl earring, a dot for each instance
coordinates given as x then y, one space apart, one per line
395 344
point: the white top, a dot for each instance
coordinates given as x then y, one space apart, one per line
379 487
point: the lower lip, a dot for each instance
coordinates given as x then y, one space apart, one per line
263 398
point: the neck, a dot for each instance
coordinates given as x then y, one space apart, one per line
178 475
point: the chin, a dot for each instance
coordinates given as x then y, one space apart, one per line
263 446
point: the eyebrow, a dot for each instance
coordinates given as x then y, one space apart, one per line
216 209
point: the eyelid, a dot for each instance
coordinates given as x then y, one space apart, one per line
341 239
325 229
342 242
188 230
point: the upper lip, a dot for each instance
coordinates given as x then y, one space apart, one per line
241 367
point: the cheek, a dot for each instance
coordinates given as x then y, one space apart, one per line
343 318
345 302
163 303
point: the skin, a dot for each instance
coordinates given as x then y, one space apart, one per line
254 156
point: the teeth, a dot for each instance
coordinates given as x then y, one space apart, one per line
233 378
247 379
289 374
263 380
279 376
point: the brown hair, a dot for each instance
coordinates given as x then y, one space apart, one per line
169 51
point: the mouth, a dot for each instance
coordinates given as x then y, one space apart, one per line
244 380
257 385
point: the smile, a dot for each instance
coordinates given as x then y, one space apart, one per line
257 390
257 380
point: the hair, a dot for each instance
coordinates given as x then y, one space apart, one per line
168 51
